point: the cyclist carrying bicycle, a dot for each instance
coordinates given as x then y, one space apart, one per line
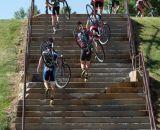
49 72
98 4
55 8
85 56
139 7
115 6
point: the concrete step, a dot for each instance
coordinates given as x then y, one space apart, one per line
69 33
83 113
71 38
90 90
74 23
97 70
94 65
75 126
31 60
78 75
71 55
85 120
83 101
87 96
84 107
89 85
70 28
80 16
90 79
72 43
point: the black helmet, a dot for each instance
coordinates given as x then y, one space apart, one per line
50 39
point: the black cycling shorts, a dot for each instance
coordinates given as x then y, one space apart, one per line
85 55
99 4
55 10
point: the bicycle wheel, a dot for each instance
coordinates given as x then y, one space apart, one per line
63 75
98 50
105 33
46 56
66 10
89 10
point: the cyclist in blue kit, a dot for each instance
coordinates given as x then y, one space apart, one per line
49 73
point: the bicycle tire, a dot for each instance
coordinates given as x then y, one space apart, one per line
63 75
98 50
66 10
89 10
105 34
47 58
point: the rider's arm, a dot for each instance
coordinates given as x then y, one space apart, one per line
39 64
87 24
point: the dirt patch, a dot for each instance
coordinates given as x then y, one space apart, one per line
16 79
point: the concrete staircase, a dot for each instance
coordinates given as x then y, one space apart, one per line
106 102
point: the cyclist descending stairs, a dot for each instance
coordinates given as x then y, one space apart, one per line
107 101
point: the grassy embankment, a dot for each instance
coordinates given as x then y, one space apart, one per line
9 38
148 32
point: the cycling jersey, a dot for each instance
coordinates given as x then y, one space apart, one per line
49 72
84 38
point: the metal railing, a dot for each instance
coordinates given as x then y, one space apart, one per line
27 53
139 63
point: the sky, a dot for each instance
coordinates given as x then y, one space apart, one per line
8 7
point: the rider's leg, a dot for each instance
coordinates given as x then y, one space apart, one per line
46 79
46 6
57 13
83 68
87 64
53 19
141 10
52 84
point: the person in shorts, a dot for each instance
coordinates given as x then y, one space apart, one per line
98 4
85 55
49 73
55 12
115 6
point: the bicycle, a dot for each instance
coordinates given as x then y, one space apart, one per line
65 9
93 45
63 71
103 28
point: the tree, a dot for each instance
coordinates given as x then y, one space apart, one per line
20 14
36 10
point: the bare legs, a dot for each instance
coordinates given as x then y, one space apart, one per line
55 19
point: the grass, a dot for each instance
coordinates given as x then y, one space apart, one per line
148 33
148 30
9 37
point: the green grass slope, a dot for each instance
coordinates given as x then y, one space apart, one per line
148 34
9 37
148 30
